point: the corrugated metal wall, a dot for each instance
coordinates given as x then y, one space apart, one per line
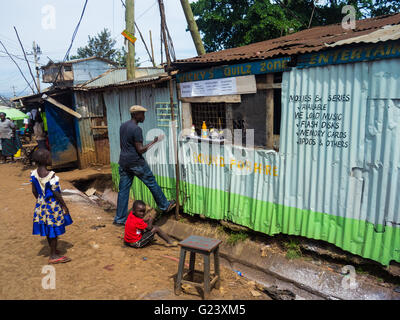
90 69
318 174
382 145
118 103
335 177
90 106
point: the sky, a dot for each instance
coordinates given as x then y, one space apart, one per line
51 23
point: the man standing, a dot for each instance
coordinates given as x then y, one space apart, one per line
9 141
132 164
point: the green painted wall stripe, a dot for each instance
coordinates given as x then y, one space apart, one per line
356 236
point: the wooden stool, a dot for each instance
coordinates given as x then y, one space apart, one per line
204 246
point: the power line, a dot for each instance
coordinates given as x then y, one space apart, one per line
141 15
15 56
11 77
72 40
17 66
27 62
11 43
19 94
144 12
290 11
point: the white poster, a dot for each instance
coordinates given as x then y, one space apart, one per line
215 87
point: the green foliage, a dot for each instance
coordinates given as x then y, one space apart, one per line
375 8
227 24
293 249
235 237
103 46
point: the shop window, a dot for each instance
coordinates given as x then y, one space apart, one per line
250 113
213 114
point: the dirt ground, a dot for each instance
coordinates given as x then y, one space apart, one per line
101 267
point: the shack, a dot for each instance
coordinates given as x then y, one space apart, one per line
68 118
317 152
150 89
76 118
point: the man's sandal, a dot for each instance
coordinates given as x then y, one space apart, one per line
172 205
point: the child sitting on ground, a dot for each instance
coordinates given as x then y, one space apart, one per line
139 231
51 214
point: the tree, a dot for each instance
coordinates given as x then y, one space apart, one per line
103 46
227 24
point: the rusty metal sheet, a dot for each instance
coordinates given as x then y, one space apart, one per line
305 41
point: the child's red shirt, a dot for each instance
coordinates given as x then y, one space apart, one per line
134 228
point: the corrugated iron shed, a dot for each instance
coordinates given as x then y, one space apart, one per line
70 62
146 80
115 76
310 40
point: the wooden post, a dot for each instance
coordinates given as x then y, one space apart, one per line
130 27
174 134
194 31
145 45
152 50
270 113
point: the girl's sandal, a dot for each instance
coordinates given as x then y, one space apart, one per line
172 244
63 259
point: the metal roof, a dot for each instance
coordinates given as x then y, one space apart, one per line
115 76
70 62
386 33
310 40
161 77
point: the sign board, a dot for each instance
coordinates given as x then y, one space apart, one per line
129 36
237 70
374 51
163 114
218 87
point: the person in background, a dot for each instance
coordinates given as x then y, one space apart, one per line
39 133
31 120
132 164
9 140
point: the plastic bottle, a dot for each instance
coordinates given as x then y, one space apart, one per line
204 131
193 131
213 134
239 273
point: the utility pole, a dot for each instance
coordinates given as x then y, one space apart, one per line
130 27
193 27
36 52
173 121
